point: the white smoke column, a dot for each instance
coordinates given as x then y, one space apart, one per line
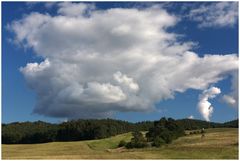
191 117
204 106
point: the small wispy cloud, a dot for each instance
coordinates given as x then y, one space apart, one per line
229 100
232 98
215 14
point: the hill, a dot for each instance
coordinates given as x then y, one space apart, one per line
76 130
218 143
233 123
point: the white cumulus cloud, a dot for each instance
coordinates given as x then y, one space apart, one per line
126 81
74 9
119 59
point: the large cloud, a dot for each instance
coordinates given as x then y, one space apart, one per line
111 60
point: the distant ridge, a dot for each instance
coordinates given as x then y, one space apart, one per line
88 129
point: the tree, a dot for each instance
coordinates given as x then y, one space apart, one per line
138 141
158 142
167 136
166 129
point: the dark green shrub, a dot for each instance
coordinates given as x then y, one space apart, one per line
167 136
122 143
129 145
158 142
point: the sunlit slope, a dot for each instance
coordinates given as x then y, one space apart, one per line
217 144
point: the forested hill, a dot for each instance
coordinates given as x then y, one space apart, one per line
40 132
233 123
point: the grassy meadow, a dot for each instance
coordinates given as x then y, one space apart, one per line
219 143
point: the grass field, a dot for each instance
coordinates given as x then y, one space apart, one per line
217 144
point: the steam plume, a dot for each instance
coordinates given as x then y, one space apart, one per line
204 106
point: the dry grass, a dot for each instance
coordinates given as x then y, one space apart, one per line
217 144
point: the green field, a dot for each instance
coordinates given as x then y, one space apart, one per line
217 144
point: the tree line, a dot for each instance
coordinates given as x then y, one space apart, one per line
75 130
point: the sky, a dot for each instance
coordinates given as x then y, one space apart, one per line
130 61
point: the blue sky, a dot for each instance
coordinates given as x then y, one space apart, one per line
19 101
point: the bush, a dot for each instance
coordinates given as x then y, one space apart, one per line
133 144
138 141
122 143
166 136
158 142
129 145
